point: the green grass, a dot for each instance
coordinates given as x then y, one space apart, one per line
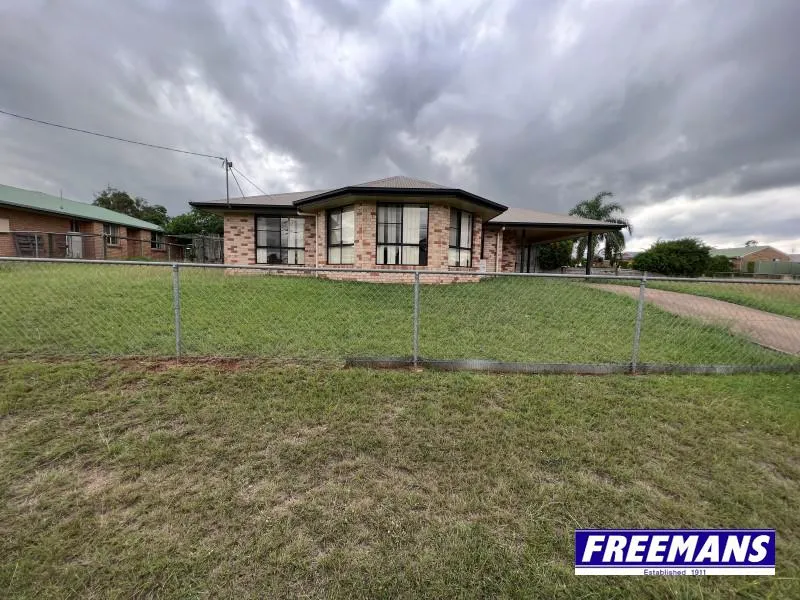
76 310
136 479
781 299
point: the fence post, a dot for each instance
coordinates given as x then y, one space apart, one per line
415 357
36 245
176 305
637 332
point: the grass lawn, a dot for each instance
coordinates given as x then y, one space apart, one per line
128 479
781 299
75 310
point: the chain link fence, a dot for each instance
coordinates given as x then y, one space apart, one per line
482 321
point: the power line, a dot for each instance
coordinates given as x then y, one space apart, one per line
250 181
110 137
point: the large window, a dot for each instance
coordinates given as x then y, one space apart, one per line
280 241
402 234
111 232
460 252
341 236
156 240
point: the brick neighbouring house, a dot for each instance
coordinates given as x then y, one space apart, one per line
741 257
398 223
37 224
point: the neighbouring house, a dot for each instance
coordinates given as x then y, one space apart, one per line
741 257
35 224
794 258
399 224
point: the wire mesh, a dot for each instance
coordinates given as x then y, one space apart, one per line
70 308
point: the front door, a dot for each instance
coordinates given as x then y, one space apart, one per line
74 240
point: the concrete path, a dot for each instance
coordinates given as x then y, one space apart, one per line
765 328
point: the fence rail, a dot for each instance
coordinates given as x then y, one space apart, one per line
534 322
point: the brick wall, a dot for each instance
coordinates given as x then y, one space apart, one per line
240 244
508 259
138 243
240 238
23 220
490 249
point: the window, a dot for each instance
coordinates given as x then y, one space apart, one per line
156 240
280 241
111 232
341 236
460 253
402 234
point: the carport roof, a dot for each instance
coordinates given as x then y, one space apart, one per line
525 217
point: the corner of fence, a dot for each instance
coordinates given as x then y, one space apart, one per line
637 330
176 307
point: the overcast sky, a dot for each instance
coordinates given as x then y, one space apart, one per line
688 110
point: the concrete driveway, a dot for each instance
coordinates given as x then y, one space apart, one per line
768 329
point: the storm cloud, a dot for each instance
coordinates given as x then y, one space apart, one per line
687 111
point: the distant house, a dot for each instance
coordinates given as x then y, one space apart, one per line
795 258
395 224
35 224
741 257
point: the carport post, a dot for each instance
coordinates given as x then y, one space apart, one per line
415 356
589 254
176 305
637 331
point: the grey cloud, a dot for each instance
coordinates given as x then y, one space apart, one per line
650 100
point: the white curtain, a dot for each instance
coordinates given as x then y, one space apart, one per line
348 227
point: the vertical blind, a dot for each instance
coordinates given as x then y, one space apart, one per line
460 251
402 234
341 236
280 240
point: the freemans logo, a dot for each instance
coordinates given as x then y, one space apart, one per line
675 552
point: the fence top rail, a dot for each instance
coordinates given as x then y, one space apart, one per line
328 269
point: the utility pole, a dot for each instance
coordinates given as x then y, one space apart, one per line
228 165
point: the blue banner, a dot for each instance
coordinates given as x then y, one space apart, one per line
675 552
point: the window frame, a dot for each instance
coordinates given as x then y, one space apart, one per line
341 245
110 235
459 247
157 240
280 247
401 244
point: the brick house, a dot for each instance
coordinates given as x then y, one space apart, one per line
741 257
37 224
399 224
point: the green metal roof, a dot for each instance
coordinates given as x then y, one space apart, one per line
736 252
32 200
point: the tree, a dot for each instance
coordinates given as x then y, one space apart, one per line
195 221
749 243
556 255
599 211
719 264
687 257
121 201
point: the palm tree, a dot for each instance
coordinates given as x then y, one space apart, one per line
599 211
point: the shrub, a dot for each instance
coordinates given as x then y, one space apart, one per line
687 257
719 264
556 255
